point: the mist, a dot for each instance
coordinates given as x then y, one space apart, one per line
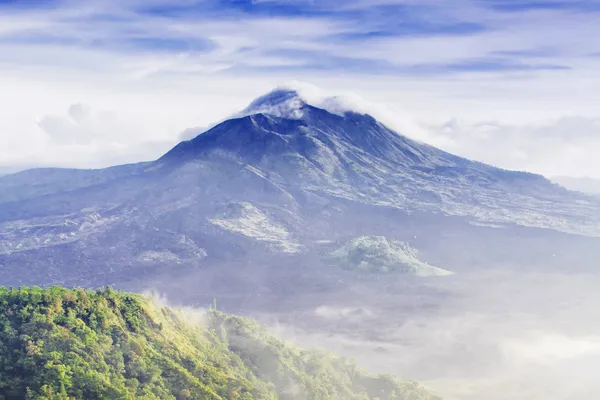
482 335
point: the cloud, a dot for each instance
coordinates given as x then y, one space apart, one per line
543 347
191 133
489 334
343 313
82 137
216 36
565 146
577 5
80 126
580 184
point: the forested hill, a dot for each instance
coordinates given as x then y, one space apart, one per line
58 343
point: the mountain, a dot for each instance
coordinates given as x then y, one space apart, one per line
297 146
82 344
282 182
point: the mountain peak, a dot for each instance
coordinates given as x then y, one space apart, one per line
291 101
283 103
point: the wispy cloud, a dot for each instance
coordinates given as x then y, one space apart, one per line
565 146
574 5
228 33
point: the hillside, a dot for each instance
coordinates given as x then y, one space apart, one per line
380 255
57 343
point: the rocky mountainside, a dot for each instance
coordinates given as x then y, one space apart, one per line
281 179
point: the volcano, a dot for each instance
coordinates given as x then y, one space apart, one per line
283 178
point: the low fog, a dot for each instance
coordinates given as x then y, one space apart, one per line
518 320
495 335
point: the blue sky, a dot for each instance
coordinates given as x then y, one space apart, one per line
307 34
192 62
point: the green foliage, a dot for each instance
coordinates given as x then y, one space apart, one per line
64 344
377 254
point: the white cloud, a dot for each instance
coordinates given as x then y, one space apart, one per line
546 347
580 184
565 146
338 103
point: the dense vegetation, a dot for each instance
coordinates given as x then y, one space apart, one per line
57 343
378 254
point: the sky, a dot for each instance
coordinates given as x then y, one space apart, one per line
103 82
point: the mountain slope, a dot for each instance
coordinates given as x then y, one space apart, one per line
353 156
278 179
45 181
75 344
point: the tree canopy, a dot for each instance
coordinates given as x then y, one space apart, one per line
59 343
